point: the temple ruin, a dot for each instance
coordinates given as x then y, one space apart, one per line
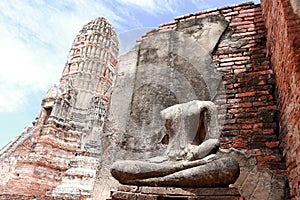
226 77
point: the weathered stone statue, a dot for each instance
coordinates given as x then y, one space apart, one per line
192 138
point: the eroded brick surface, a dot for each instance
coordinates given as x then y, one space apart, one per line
283 44
39 170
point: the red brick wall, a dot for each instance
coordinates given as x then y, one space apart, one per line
283 44
45 158
249 81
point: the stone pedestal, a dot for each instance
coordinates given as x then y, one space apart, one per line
169 193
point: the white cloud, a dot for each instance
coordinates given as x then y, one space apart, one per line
35 37
204 4
201 4
155 6
23 70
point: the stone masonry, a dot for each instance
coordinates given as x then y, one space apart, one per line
67 152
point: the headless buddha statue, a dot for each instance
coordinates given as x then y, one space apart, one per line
192 137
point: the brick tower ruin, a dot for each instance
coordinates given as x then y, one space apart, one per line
62 145
79 102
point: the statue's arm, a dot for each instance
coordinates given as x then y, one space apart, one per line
201 151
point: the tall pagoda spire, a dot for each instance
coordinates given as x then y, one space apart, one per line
79 100
59 155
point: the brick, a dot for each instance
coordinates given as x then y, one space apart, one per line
226 63
226 10
244 34
252 10
247 120
249 46
245 115
246 94
235 59
258 56
237 19
246 15
244 105
239 140
243 7
240 146
237 71
238 23
274 144
258 19
242 62
246 26
246 126
231 91
231 14
269 158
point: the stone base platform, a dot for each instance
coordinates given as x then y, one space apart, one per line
170 193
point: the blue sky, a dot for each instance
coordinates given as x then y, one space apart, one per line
36 35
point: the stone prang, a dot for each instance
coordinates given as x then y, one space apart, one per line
61 151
